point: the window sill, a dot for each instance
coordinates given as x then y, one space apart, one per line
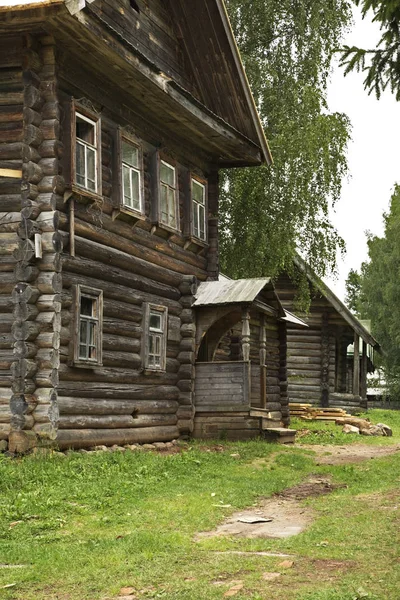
86 194
195 244
85 364
127 214
161 228
150 371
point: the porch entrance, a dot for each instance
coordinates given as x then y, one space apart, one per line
240 377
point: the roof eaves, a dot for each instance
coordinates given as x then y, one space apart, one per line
244 82
336 303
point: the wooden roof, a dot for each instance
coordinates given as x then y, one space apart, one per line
337 304
210 106
208 38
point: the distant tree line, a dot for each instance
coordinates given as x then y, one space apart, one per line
374 292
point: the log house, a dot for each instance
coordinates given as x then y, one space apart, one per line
115 118
328 361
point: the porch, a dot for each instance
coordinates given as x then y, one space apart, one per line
240 382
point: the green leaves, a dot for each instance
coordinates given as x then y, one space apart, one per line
382 64
269 212
379 299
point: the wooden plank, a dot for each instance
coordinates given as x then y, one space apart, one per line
211 408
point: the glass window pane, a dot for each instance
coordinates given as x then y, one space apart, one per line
130 154
158 345
87 305
155 321
82 351
135 186
196 220
91 169
80 164
85 131
91 334
83 332
164 204
171 207
202 222
198 192
157 361
127 186
167 174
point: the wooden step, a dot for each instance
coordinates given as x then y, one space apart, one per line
281 435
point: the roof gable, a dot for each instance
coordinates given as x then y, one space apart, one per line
335 302
193 44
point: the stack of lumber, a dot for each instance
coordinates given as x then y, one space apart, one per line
308 412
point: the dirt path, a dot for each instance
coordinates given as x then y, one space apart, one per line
278 517
283 515
354 453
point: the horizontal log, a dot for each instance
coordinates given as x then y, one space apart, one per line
128 360
8 243
117 291
96 422
5 429
139 243
114 275
97 386
87 438
122 328
96 406
125 260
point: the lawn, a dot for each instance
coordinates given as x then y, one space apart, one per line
83 526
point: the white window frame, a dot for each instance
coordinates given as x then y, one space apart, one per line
87 146
138 170
96 296
155 333
196 209
175 227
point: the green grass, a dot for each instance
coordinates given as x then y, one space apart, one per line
86 525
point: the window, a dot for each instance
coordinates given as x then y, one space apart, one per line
89 325
86 153
168 195
131 176
156 337
199 229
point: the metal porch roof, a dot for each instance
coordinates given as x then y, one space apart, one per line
230 291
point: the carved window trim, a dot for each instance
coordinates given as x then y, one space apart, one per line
155 338
196 210
158 160
83 343
80 110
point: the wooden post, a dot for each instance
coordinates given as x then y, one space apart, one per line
363 386
325 360
356 365
72 227
246 334
263 368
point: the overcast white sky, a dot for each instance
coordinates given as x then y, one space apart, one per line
373 156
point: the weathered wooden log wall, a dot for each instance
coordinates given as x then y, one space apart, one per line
41 395
11 151
132 263
37 276
316 356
